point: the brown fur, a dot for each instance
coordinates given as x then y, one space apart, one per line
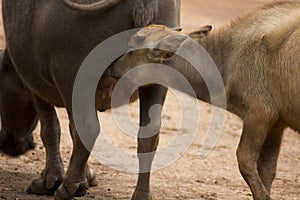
258 58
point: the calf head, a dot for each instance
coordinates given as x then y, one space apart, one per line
157 44
152 44
18 117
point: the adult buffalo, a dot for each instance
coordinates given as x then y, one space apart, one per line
47 41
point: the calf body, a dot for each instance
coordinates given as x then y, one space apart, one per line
258 59
47 41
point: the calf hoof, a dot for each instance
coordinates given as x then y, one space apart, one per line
65 192
47 184
91 177
142 195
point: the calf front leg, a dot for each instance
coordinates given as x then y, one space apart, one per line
267 162
256 127
148 136
52 175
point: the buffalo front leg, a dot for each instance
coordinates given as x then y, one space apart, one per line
151 101
267 162
52 176
256 127
78 177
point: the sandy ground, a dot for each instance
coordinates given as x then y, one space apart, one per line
213 178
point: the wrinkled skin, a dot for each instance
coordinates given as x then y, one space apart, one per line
250 60
18 117
47 42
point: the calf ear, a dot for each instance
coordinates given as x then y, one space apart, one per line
201 33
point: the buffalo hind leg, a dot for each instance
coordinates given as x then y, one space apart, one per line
78 177
151 101
267 162
52 176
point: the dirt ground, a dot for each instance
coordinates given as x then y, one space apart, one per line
215 177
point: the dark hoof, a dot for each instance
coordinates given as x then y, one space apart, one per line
62 194
39 187
81 191
47 183
70 191
141 195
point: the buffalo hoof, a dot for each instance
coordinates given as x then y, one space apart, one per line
68 191
142 195
47 184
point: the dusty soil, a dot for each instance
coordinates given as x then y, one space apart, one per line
213 178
